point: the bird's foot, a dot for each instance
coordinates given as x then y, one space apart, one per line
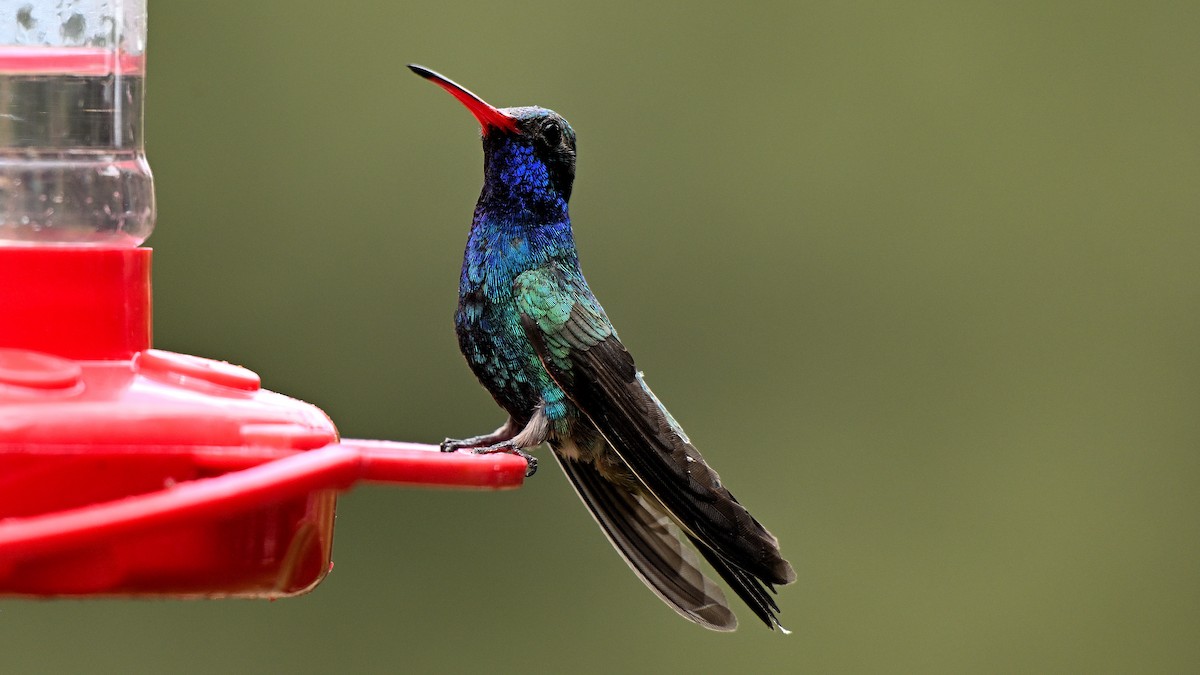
496 437
530 461
453 444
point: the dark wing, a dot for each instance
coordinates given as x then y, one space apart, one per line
651 544
580 350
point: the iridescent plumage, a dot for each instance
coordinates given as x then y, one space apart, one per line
540 343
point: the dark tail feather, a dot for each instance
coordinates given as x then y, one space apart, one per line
748 588
607 387
651 544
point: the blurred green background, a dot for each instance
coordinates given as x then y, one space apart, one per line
920 279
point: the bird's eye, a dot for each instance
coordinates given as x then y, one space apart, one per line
552 133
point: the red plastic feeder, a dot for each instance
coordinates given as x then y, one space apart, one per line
126 470
130 470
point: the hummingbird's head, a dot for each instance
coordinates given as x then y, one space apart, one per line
529 152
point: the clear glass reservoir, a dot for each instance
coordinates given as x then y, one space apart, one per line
73 168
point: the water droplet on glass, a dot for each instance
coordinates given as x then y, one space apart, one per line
73 28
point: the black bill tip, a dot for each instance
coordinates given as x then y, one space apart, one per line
422 71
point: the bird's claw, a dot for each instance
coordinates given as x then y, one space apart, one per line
454 444
531 462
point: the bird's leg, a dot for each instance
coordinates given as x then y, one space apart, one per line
504 433
500 440
535 432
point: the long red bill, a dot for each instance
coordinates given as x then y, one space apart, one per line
488 116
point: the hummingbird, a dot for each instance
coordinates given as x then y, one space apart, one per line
540 343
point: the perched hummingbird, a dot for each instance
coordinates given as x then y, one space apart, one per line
541 344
